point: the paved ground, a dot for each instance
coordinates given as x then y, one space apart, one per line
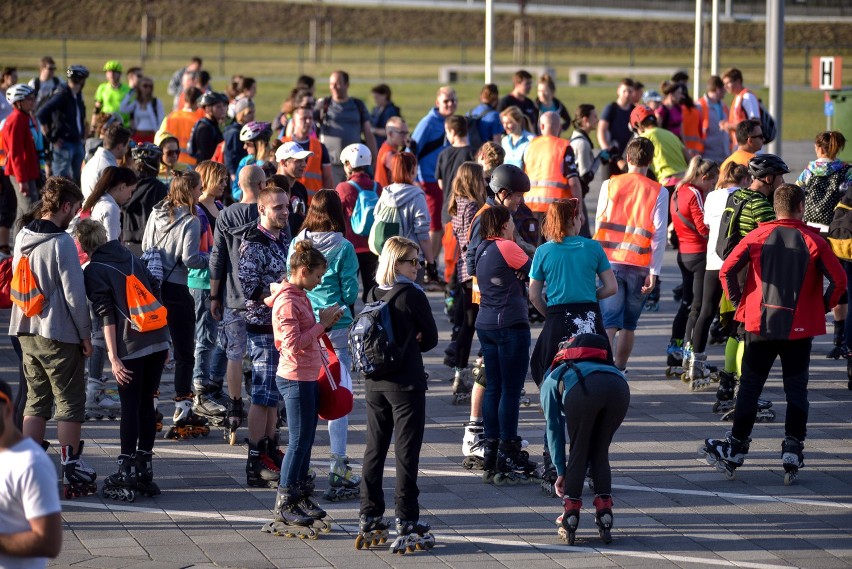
671 509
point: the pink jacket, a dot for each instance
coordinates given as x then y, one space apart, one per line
296 332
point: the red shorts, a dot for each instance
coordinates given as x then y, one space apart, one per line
434 201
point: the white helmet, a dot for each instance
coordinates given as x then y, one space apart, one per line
358 155
18 92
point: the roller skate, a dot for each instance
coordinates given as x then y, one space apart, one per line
698 374
603 516
308 505
726 392
513 464
290 520
472 448
205 405
372 531
412 536
186 423
764 412
271 448
569 520
143 462
79 477
343 483
792 459
261 471
158 417
674 358
121 485
99 404
726 454
524 400
489 460
840 349
461 388
547 472
234 419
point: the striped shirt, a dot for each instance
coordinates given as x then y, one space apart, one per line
756 210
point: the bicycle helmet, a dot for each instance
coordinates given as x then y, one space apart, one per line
211 98
767 165
358 155
77 72
510 178
113 65
148 155
639 114
18 92
254 130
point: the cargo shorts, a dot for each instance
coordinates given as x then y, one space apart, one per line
54 374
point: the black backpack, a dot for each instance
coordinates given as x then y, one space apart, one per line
729 227
474 138
375 349
767 124
823 193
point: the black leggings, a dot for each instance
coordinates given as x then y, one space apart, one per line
466 321
709 306
367 265
594 410
181 307
137 402
692 267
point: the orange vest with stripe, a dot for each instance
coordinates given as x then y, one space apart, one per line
312 179
626 227
179 124
692 128
543 161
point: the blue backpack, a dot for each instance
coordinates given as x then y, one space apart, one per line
362 215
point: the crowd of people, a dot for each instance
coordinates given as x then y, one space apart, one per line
204 238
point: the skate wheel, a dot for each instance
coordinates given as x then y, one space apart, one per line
359 542
789 477
606 536
233 438
131 496
730 474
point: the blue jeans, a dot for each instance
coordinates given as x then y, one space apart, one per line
301 399
338 430
68 159
623 309
507 357
210 362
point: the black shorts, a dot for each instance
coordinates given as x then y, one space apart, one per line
8 202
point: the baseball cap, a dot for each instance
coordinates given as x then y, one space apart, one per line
291 150
242 104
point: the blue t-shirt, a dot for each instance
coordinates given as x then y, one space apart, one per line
570 269
490 124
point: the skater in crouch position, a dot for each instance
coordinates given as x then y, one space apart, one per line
137 342
586 390
396 402
783 307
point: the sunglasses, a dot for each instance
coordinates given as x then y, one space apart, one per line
173 153
414 262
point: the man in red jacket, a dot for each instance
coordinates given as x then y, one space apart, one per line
22 166
783 307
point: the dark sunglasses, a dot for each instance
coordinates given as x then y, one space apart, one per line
414 262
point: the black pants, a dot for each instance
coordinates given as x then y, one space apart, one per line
710 298
137 402
759 355
181 308
367 265
405 413
466 321
692 272
594 410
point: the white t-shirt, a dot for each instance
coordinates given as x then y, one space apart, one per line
107 213
93 168
28 489
714 206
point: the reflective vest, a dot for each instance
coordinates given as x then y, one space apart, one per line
543 161
179 124
383 175
312 178
737 115
692 128
625 228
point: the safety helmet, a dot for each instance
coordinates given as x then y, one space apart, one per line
510 178
358 155
254 130
148 155
77 72
18 92
639 114
211 98
767 165
113 65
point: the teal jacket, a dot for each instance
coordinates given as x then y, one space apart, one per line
339 285
553 404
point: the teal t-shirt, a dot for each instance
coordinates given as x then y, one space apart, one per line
570 269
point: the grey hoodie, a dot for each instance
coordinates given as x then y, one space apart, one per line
178 239
54 262
413 211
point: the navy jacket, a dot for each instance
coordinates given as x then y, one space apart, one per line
59 114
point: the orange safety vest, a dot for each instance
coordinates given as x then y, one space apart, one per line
179 124
543 161
692 128
626 227
383 175
737 114
312 180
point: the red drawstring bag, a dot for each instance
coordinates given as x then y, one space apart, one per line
335 385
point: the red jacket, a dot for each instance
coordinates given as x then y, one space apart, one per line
17 140
692 233
786 262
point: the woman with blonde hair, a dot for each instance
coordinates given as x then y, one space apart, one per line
519 133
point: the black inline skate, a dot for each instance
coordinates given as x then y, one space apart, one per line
726 454
205 405
308 505
290 520
489 460
726 399
234 419
840 349
513 464
79 477
791 458
472 446
143 462
569 520
261 471
270 446
412 536
121 485
372 531
186 423
603 516
547 472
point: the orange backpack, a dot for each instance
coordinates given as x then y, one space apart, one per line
145 313
25 289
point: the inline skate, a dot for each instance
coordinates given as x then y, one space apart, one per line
569 520
726 399
79 477
186 423
343 483
478 371
372 531
524 400
674 358
472 448
652 303
792 459
840 349
261 471
489 460
205 405
513 464
726 454
412 536
290 520
461 387
99 403
143 462
547 472
270 446
121 485
603 516
234 419
698 374
717 334
308 505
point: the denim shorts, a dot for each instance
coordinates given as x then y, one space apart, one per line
622 310
264 364
232 334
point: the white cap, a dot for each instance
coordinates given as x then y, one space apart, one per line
291 150
358 155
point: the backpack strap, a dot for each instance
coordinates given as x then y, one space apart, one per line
395 291
355 184
680 216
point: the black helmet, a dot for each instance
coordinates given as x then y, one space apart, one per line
211 98
510 178
767 165
77 72
147 155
